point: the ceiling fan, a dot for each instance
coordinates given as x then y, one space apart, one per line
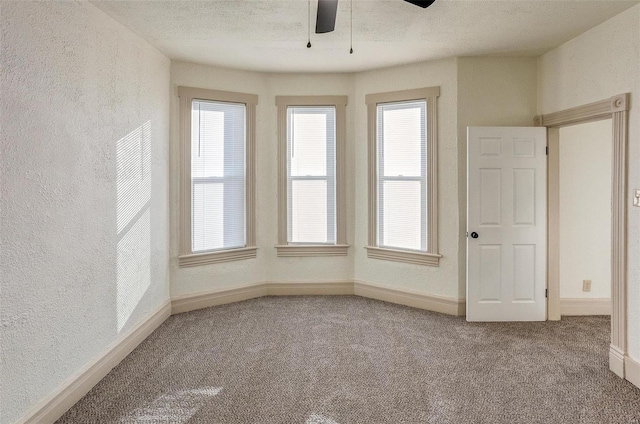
326 19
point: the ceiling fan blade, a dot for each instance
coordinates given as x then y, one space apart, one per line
422 4
326 20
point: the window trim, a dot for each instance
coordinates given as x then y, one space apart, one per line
431 257
186 257
340 248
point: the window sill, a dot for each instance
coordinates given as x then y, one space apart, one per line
197 259
295 250
418 258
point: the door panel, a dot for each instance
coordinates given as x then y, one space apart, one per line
524 272
524 197
490 272
490 194
506 208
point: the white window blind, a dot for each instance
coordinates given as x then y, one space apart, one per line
217 175
311 200
401 174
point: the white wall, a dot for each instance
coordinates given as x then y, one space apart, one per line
443 280
337 268
267 266
498 91
474 91
492 91
229 274
600 63
84 119
585 209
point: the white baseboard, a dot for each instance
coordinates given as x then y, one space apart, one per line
585 306
75 387
632 371
190 302
314 288
616 361
200 300
445 305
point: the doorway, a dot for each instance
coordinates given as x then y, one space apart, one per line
615 108
585 218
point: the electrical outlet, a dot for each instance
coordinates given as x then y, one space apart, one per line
586 285
636 197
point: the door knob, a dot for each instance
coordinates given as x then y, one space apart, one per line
474 235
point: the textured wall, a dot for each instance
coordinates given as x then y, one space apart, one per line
84 118
306 269
600 63
492 91
585 209
266 267
497 92
443 280
227 274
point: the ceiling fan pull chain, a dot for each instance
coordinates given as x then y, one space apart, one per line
351 27
309 24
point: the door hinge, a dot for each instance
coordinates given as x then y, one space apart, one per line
546 292
547 150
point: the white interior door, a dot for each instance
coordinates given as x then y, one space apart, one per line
506 223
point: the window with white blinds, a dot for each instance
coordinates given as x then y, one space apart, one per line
402 175
218 194
311 174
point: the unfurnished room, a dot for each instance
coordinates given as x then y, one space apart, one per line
319 211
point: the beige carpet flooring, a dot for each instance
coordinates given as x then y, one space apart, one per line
325 360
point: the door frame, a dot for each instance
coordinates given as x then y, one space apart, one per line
615 108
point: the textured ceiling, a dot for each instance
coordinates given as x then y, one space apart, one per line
271 35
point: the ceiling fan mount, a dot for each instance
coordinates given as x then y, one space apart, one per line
327 9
